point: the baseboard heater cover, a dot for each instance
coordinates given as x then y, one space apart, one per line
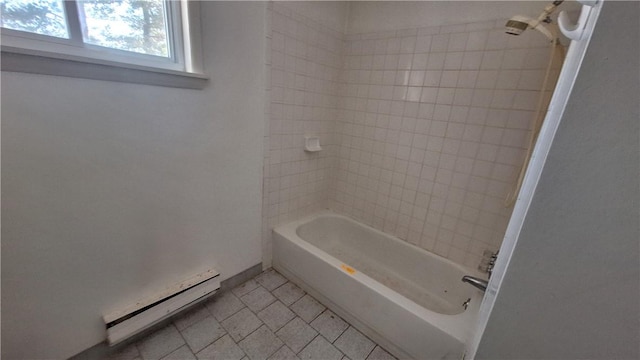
127 322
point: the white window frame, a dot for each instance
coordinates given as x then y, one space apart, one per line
36 53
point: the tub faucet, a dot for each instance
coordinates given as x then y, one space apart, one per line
488 261
477 282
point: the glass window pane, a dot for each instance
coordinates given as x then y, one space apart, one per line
130 25
44 17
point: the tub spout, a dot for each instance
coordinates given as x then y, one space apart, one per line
478 283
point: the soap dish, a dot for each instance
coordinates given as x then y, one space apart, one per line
312 144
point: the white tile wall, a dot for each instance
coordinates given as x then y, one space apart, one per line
304 64
434 127
423 129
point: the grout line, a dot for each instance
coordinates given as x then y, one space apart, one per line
208 344
237 311
374 347
173 320
307 344
139 352
249 334
188 348
280 348
317 316
279 286
185 340
343 331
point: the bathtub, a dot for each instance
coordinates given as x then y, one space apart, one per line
408 300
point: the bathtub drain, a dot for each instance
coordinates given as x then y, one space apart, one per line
466 303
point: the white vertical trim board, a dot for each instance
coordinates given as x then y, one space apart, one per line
568 75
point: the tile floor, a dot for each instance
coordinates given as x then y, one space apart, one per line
267 317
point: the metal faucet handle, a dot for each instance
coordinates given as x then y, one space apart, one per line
488 261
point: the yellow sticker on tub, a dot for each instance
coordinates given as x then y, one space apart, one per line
348 269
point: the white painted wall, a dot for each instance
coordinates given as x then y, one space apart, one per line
112 191
571 288
374 16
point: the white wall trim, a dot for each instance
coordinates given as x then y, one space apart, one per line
48 63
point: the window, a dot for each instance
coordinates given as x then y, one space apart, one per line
152 35
40 17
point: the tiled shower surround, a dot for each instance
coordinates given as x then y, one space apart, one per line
304 61
424 129
434 129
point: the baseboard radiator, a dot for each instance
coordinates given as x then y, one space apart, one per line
127 322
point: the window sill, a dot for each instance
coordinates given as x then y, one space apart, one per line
48 63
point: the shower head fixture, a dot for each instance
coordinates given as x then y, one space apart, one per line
519 23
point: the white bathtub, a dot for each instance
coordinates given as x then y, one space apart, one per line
408 300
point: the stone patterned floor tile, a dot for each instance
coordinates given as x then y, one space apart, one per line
288 293
307 308
190 317
320 349
380 354
129 352
203 333
296 334
329 325
258 299
160 343
183 353
270 279
267 317
276 315
245 288
353 344
260 344
222 349
284 354
241 324
224 305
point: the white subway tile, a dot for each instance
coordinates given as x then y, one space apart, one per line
439 43
453 60
436 61
449 78
472 60
477 40
423 43
492 60
455 130
408 45
457 42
